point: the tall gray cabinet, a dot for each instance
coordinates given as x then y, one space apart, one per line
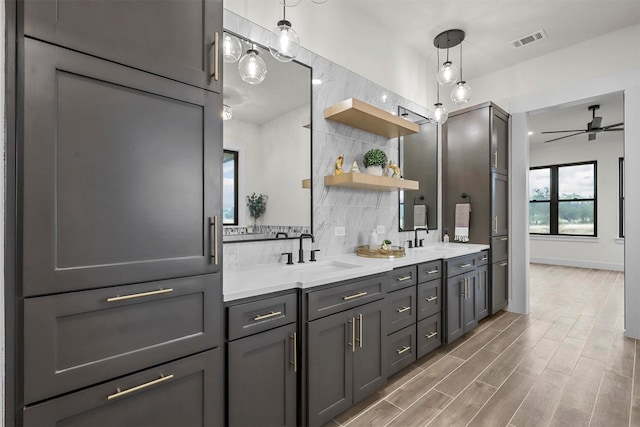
475 143
119 283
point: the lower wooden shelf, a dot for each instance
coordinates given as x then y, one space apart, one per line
365 181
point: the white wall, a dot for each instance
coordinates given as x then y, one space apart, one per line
605 251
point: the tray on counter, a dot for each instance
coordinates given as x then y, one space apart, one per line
390 252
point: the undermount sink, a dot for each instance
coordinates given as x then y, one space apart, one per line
321 267
440 249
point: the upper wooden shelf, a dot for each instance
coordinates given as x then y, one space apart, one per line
370 182
359 114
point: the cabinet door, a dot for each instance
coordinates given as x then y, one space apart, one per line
262 378
499 205
401 309
370 357
481 294
455 298
429 299
171 38
468 301
122 174
330 351
499 125
500 286
187 392
401 346
428 335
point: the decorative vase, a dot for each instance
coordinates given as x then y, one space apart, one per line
374 170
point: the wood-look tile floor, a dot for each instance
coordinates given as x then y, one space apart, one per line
565 364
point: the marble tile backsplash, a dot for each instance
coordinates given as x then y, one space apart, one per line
358 211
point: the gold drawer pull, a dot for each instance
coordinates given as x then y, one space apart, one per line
358 295
121 393
140 295
431 335
403 309
483 259
431 299
433 271
403 278
504 239
267 316
404 349
504 264
465 265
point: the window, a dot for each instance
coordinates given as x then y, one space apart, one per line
621 197
562 200
230 187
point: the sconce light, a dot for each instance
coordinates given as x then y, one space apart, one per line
252 68
284 43
231 48
449 74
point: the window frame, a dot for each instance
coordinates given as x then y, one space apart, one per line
554 200
621 197
236 157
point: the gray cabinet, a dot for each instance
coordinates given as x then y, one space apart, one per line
429 334
499 205
186 392
461 287
500 276
346 352
481 292
402 349
172 38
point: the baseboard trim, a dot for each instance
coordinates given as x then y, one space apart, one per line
578 263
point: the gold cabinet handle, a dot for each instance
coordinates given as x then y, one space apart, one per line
358 295
353 334
404 349
465 265
483 258
216 67
213 225
403 309
294 337
495 159
120 393
432 271
503 264
495 224
403 278
140 295
504 239
431 335
267 316
430 299
361 327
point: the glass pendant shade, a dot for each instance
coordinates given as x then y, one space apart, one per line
461 93
252 68
231 49
448 74
284 43
439 114
227 113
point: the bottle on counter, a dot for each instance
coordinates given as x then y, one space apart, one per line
373 240
445 238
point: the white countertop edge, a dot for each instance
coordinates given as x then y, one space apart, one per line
269 278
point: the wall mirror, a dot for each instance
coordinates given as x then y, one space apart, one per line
267 143
419 162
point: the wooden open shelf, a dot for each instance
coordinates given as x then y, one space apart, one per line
369 182
359 114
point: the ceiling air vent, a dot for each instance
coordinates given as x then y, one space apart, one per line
528 39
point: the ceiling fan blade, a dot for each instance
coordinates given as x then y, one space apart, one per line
566 136
592 137
613 130
561 131
595 123
612 126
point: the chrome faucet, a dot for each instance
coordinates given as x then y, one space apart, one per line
415 235
301 250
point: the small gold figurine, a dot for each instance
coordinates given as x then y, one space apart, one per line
338 165
394 168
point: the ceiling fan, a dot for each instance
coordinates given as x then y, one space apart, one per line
593 127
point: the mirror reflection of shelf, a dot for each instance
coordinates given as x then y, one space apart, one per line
365 181
306 183
359 114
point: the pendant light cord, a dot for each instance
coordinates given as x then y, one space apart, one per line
461 79
437 83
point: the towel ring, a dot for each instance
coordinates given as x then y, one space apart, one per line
417 198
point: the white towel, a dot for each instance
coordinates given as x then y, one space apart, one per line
419 215
462 222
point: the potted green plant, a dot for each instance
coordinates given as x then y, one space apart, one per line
257 204
374 160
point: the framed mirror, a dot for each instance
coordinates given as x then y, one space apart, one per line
267 143
419 162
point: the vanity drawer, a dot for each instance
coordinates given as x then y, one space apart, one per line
402 277
482 258
429 335
401 309
499 248
460 265
402 349
345 296
261 315
181 393
76 339
429 298
429 271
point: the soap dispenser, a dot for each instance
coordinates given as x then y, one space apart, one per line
373 240
445 238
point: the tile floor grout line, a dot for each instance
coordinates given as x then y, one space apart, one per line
596 399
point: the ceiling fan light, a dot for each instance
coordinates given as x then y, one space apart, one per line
252 68
448 74
284 43
461 93
439 114
231 48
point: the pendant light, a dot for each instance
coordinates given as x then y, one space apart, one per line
439 114
252 68
448 73
284 43
231 48
461 93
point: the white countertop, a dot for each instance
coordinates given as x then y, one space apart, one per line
267 278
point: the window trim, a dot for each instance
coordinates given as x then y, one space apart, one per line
236 185
554 201
621 197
